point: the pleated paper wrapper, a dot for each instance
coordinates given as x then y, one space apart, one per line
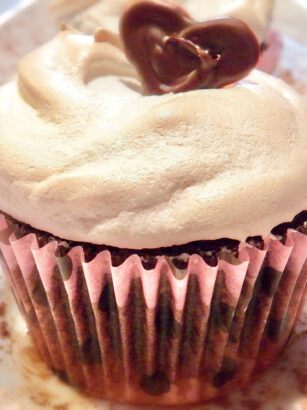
162 336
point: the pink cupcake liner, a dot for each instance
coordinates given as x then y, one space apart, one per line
161 336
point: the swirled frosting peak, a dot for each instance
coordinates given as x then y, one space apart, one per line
86 156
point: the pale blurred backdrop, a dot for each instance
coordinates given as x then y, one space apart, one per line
7 4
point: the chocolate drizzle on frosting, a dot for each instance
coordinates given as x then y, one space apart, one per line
174 53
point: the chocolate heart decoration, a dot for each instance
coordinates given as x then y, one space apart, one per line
174 53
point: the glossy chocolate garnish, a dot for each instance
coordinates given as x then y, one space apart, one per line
174 53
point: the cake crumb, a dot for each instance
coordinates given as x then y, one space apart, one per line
2 309
4 331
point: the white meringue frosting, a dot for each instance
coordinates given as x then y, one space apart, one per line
256 13
85 156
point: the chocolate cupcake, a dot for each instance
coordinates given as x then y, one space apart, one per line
143 226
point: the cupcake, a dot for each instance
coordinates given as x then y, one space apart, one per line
153 227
